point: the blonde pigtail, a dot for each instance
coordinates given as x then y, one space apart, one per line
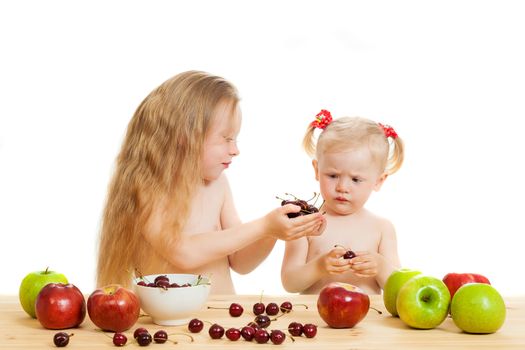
397 155
309 142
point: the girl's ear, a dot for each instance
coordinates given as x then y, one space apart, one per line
316 169
380 181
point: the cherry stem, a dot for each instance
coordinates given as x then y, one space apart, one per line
316 198
321 206
315 195
290 310
218 308
340 246
378 311
187 335
260 299
289 194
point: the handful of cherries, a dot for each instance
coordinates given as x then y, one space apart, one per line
306 207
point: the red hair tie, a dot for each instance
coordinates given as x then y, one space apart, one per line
322 119
388 130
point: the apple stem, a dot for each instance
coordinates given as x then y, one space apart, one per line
46 271
378 311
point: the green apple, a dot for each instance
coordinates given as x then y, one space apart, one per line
31 286
394 282
423 302
478 308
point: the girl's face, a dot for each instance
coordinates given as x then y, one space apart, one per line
347 179
220 145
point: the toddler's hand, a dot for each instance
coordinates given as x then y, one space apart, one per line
365 264
334 262
279 225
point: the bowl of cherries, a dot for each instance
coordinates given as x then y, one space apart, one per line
172 299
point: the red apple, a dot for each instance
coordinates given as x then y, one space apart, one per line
456 280
113 308
342 305
60 306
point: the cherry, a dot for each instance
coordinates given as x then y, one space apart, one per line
119 339
262 321
216 331
258 308
161 278
144 339
233 334
295 329
174 285
261 336
309 330
139 331
61 339
277 337
349 255
141 283
236 310
248 333
163 284
195 325
272 309
160 336
286 306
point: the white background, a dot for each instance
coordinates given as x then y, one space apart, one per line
448 75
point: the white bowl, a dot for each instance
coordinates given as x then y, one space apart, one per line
173 306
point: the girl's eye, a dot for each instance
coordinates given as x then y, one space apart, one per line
332 176
356 180
229 139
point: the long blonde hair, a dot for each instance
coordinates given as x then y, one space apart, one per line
347 132
159 162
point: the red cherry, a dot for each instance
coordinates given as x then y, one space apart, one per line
160 336
295 329
233 334
272 309
195 325
261 336
286 306
236 310
248 333
309 330
277 337
139 331
119 339
216 331
258 308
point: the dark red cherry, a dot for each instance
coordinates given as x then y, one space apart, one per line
119 339
309 330
261 336
142 283
286 306
160 336
248 332
262 321
277 337
61 339
216 331
258 308
195 325
233 334
144 339
272 309
349 254
236 310
161 278
295 329
139 331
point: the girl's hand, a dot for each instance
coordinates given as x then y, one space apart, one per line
279 225
365 264
334 263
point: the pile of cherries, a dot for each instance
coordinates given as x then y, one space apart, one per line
257 329
306 208
163 281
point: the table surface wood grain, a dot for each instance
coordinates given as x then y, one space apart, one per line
19 331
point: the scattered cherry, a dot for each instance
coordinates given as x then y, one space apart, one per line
233 334
258 308
216 331
309 330
160 336
248 333
286 306
295 329
144 339
139 331
272 309
277 337
262 321
195 325
61 339
119 339
261 336
236 310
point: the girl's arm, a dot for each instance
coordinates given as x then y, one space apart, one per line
297 274
388 251
188 252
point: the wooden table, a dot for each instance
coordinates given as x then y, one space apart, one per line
19 331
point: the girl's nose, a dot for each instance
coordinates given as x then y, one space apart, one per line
234 150
342 186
